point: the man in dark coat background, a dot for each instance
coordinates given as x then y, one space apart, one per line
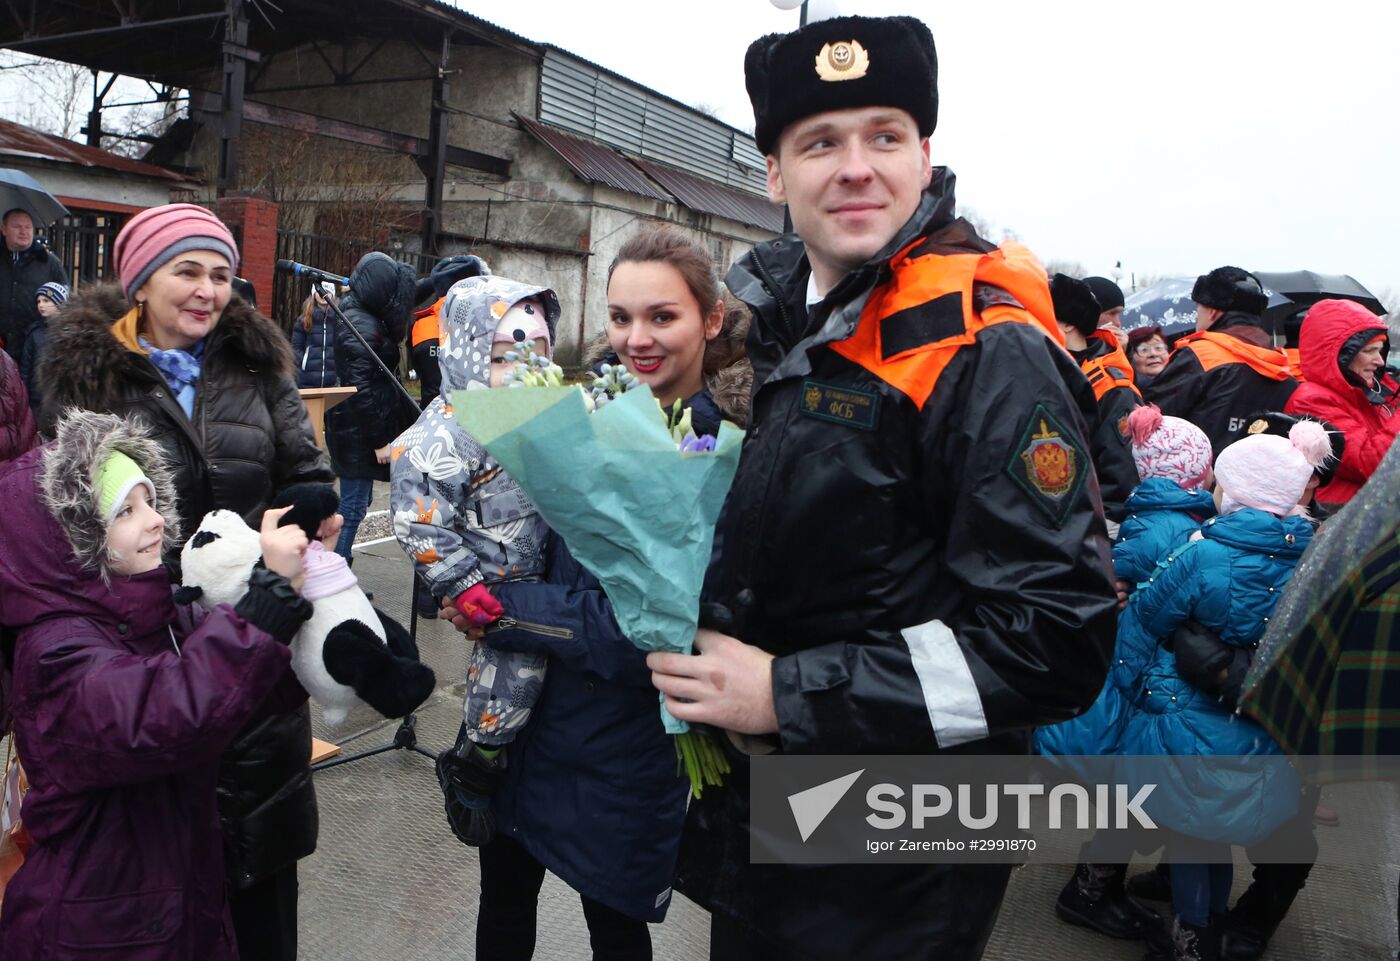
913 557
26 266
1229 368
1103 362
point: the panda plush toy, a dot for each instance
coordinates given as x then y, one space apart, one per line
348 652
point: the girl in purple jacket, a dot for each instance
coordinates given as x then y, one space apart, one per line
122 701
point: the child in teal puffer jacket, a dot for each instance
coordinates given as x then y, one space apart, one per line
1228 578
1173 458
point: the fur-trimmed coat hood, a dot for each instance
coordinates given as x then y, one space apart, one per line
249 435
83 442
49 500
86 366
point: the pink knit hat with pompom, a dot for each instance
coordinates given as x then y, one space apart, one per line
1270 473
157 236
1168 447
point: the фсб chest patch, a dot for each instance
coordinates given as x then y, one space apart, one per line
1048 465
840 405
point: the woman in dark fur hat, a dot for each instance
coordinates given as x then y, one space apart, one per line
212 382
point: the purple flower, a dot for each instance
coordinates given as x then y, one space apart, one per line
697 445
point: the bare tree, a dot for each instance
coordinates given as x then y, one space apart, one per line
328 187
55 97
45 94
1071 267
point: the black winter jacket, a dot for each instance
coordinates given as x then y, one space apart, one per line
18 282
249 438
314 350
378 306
1108 443
1208 382
35 343
919 593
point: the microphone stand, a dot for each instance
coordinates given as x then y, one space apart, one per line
406 736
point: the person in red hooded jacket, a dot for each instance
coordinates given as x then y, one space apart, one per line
1343 349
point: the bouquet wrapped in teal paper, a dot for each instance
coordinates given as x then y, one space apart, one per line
635 509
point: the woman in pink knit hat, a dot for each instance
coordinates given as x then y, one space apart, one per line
213 381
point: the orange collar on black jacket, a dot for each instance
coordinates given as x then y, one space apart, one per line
917 289
1214 348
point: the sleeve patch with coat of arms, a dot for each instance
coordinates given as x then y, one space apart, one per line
1048 465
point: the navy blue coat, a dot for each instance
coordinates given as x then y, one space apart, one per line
1229 580
315 350
590 787
1161 516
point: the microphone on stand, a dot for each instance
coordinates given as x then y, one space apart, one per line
310 273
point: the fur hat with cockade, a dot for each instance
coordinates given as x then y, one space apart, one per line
839 64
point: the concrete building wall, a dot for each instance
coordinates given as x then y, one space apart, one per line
92 183
542 224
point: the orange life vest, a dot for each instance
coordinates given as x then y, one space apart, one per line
919 281
427 324
1110 370
1215 348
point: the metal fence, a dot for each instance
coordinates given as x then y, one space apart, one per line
331 254
83 241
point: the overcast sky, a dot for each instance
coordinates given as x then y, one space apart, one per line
1173 138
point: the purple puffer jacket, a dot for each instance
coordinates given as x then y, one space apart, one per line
120 736
16 421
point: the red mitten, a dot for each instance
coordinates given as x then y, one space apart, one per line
478 606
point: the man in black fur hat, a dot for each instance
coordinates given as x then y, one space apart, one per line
913 552
1229 367
1096 349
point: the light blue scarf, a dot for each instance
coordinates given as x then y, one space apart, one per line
181 369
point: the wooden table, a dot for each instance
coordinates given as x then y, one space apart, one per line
318 400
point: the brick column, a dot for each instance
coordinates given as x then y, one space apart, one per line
253 220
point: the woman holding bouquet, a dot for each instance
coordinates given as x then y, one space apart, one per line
657 330
591 791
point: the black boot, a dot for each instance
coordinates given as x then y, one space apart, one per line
1154 885
1246 930
1094 898
468 779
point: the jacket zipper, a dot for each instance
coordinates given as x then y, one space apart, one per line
771 286
511 624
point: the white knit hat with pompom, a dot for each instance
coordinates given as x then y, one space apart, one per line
1271 473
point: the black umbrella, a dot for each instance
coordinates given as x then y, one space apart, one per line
1292 292
1166 304
20 191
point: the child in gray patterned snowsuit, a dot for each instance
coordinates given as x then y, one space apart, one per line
467 525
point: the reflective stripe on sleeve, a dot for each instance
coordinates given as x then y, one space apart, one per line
950 694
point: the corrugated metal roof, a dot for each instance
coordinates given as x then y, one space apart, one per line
595 162
712 198
18 140
586 99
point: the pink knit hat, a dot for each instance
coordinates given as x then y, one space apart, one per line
1168 447
155 237
1270 473
325 573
